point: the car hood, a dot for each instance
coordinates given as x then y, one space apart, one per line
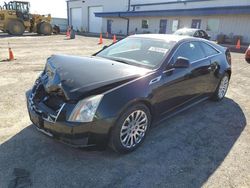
77 77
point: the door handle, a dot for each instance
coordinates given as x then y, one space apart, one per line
157 79
212 67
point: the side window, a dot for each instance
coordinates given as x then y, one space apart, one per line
196 34
208 49
202 34
189 50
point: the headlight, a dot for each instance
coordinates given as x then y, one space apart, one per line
85 109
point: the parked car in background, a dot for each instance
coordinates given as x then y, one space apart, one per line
114 96
247 54
192 33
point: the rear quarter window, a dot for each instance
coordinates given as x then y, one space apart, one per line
208 50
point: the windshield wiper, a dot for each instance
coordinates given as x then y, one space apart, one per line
129 61
118 60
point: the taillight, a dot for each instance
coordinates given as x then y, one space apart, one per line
228 56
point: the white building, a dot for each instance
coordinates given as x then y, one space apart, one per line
229 17
61 22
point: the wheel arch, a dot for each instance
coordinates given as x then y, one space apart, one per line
130 104
136 102
229 72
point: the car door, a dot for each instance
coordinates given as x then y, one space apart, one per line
212 56
180 85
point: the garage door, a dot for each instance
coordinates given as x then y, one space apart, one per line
95 23
76 18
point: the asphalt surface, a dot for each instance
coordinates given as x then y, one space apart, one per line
205 146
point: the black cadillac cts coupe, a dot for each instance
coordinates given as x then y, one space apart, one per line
114 96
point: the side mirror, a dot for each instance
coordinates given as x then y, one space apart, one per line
181 62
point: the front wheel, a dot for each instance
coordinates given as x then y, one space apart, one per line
15 28
221 90
131 129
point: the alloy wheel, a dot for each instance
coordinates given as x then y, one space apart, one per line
134 128
223 87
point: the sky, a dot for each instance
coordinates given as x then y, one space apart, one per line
57 8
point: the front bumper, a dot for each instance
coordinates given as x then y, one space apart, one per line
72 133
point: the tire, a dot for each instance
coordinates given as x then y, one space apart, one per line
221 89
44 28
16 28
127 137
38 28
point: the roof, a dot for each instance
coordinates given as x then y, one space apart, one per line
180 12
168 2
165 37
188 29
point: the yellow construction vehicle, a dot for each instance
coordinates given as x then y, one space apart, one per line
15 19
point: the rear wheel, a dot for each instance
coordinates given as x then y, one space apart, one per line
131 129
44 28
221 90
16 28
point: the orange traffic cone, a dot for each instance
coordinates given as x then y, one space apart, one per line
238 44
100 40
114 39
11 55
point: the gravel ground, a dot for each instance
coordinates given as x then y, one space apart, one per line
205 146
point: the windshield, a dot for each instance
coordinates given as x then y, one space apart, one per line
23 7
18 6
145 52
